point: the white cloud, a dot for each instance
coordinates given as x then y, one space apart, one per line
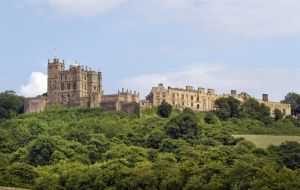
275 81
245 17
36 85
80 8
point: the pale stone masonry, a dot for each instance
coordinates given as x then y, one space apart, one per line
77 86
119 101
202 100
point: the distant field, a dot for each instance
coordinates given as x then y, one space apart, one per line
263 141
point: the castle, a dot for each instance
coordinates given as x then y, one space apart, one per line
82 87
78 86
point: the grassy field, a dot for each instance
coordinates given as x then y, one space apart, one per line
263 141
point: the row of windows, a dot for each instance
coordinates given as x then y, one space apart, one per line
67 86
183 96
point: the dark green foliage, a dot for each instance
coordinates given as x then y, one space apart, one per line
254 110
183 126
164 110
227 108
211 118
94 149
287 154
10 105
294 100
278 114
41 150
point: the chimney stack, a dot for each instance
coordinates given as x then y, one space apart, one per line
265 97
233 92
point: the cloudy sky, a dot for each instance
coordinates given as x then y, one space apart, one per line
249 45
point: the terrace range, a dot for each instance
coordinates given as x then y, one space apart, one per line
82 87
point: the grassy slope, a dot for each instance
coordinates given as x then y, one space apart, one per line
263 141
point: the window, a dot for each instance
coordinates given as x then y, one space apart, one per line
68 86
182 96
204 103
61 77
197 99
192 105
198 106
173 95
84 86
74 85
62 86
192 97
66 77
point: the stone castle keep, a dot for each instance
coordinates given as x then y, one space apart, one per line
79 86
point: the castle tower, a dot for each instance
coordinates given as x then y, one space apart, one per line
55 66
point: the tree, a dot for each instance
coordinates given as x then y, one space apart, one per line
10 104
183 126
41 150
254 110
287 154
164 110
227 108
211 118
293 99
278 114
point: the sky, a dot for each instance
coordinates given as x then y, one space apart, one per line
249 45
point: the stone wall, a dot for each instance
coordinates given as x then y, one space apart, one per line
35 105
201 100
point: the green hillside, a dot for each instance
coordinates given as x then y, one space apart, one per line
94 149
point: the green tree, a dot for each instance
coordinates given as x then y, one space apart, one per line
287 154
227 108
278 114
254 110
183 126
211 118
10 104
164 110
41 150
293 99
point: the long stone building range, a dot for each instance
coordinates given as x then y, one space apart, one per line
201 99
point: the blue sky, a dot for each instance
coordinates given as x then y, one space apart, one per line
248 45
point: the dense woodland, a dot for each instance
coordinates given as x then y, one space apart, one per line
161 149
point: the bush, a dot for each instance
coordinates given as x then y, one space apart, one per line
211 118
278 114
183 126
164 110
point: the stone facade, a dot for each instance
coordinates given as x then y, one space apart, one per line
35 105
120 101
77 87
200 99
